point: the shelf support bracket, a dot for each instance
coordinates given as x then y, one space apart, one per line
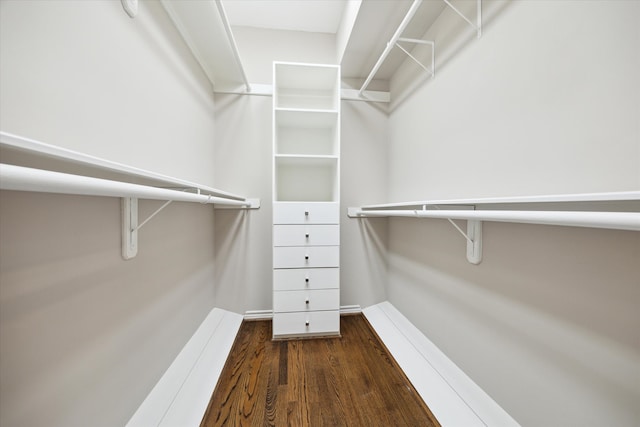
473 236
431 71
474 244
478 25
129 227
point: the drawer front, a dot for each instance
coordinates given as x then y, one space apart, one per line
316 323
306 213
306 235
306 300
306 278
306 257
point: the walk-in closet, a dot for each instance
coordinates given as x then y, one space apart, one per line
319 212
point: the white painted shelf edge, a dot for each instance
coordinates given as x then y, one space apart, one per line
19 178
182 394
612 220
609 220
34 147
549 198
453 397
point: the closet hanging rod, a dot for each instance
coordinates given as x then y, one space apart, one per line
41 149
549 198
21 178
390 45
609 220
232 42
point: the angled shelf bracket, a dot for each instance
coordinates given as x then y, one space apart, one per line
431 71
131 226
478 25
473 236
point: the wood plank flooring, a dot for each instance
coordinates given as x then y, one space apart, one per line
348 381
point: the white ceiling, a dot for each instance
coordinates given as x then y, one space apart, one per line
319 16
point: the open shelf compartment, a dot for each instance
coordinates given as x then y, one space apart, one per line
303 86
306 179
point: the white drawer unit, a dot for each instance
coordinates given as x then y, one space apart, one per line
306 213
291 279
306 256
306 200
303 324
306 300
306 235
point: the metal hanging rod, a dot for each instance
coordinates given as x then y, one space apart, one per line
591 219
21 178
612 196
609 220
43 150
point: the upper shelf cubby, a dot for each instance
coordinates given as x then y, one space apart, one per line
306 132
306 87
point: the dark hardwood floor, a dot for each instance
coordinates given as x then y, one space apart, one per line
348 381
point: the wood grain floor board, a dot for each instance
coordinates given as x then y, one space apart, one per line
348 381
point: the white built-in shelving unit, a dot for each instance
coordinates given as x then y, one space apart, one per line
306 200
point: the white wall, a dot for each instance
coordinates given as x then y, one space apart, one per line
85 335
547 101
84 76
259 47
243 165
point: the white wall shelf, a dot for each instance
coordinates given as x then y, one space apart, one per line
205 29
397 38
37 150
547 198
21 178
614 210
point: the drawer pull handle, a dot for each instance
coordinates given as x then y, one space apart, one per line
306 323
306 235
306 280
306 257
306 213
306 301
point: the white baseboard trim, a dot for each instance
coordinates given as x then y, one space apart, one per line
453 397
258 315
182 394
350 309
268 314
